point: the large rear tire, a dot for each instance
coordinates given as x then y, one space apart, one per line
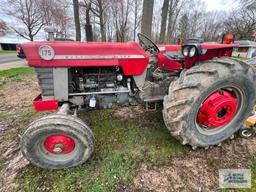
57 141
223 86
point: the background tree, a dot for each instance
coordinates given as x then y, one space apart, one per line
137 19
242 21
88 26
77 20
56 13
121 18
28 13
3 28
147 16
164 21
212 26
175 8
98 8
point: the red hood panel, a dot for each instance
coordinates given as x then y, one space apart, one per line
129 56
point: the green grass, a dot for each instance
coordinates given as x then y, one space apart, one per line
14 74
5 115
10 73
121 145
7 51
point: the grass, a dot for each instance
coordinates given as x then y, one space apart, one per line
14 74
7 51
121 145
4 114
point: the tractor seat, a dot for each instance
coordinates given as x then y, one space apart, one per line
174 56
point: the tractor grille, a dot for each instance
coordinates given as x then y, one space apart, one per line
45 79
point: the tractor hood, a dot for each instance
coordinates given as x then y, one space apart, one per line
129 56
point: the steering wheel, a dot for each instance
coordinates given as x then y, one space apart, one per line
147 44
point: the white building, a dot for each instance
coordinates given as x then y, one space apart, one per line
9 42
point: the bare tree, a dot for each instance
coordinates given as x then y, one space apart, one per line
47 9
164 21
136 17
27 12
88 26
86 11
98 8
147 17
3 28
242 23
175 8
212 26
61 19
77 20
183 26
56 13
120 11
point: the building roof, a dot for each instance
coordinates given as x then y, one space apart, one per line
246 43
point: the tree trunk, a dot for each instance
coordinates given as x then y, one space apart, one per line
102 29
88 26
170 22
135 19
164 21
77 20
147 16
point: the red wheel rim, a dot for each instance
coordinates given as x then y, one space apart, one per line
59 144
217 110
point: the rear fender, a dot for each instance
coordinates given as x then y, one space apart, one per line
210 51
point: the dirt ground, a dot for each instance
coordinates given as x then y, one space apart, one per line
195 171
15 101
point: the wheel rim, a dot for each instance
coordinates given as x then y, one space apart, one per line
59 144
219 109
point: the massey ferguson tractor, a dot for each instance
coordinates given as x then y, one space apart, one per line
206 94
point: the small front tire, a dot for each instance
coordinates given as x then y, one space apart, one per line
57 141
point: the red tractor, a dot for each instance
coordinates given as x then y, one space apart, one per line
206 94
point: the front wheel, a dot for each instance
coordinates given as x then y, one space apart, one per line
210 102
57 141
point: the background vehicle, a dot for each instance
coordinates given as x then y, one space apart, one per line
206 95
20 52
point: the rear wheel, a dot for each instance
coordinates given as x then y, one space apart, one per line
210 102
57 141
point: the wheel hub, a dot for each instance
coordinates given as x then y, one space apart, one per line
59 144
217 110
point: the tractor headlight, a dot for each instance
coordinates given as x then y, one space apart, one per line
185 51
119 77
192 51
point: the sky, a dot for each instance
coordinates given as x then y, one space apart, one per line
225 5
